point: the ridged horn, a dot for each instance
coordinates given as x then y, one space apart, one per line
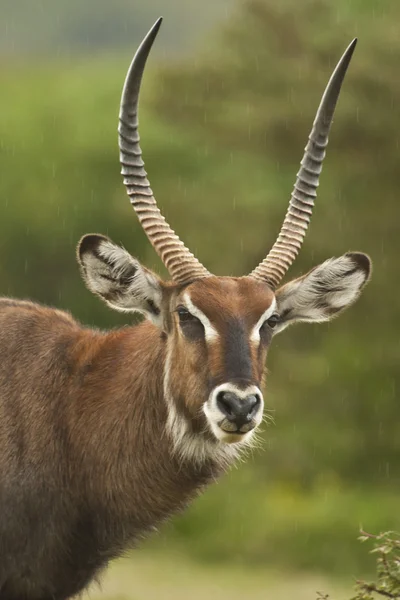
180 262
301 204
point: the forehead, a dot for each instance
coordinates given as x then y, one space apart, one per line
227 297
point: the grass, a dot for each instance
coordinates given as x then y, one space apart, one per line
149 575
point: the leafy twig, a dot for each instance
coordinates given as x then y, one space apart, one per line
387 549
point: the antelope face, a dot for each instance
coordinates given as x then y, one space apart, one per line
222 330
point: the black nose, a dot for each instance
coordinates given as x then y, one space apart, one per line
238 410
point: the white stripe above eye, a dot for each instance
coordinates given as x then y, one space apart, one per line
210 332
255 334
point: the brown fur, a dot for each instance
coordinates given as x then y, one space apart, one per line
86 466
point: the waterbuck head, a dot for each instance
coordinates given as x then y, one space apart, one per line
217 330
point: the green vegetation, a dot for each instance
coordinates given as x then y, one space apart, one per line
222 138
387 550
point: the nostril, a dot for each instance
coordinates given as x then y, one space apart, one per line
225 403
252 404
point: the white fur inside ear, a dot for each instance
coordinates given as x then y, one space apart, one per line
324 292
112 273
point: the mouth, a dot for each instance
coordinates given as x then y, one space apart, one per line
231 427
229 433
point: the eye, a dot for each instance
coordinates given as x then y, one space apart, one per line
191 326
273 320
185 316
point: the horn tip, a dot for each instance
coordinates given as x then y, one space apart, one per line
151 36
157 24
154 30
350 48
353 44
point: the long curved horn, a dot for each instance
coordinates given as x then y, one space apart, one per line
298 215
180 262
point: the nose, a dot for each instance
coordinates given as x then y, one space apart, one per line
239 411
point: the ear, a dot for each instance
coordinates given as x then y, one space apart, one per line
119 279
324 292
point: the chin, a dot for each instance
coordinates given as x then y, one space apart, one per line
236 438
226 437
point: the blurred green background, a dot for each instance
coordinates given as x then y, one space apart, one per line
228 101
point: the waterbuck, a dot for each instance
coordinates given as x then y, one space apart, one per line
104 435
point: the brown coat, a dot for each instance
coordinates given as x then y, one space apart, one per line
85 464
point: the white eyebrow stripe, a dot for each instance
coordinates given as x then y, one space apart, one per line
255 334
210 332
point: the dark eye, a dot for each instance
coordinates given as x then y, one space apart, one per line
191 326
273 320
185 316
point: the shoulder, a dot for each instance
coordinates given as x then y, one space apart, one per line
27 310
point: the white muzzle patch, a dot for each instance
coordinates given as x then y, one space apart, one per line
222 418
